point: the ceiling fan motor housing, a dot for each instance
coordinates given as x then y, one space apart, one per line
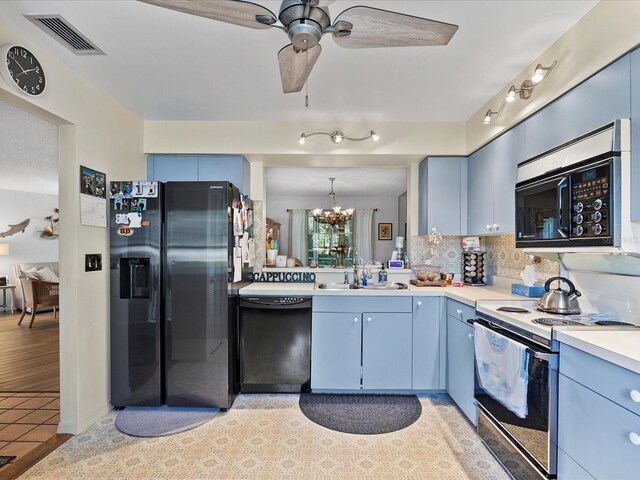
305 31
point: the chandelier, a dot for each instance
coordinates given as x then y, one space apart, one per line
334 215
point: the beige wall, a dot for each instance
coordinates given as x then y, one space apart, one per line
97 132
605 33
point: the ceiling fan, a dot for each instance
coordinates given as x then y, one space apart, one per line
306 21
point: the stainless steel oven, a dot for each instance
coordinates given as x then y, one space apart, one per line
570 198
525 446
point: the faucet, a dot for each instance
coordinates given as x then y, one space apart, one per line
353 253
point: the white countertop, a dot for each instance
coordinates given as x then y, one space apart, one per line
616 346
468 295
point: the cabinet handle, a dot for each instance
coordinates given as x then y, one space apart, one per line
471 336
489 227
495 227
635 395
355 320
459 312
420 304
635 438
368 319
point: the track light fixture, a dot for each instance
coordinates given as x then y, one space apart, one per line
338 137
524 92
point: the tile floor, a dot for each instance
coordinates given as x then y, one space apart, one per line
27 419
268 437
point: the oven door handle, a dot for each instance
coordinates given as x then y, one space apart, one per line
545 356
563 229
541 355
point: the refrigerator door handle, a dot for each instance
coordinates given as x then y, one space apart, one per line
166 274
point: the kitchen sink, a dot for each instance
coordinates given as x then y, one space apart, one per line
336 286
348 286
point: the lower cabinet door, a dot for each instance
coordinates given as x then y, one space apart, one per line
335 350
460 368
386 351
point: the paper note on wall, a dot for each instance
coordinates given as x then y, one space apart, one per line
237 264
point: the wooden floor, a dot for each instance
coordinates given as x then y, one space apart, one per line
29 357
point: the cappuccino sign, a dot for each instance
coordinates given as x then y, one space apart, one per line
286 277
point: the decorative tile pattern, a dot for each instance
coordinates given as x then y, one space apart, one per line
503 259
267 437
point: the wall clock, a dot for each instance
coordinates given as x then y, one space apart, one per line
22 70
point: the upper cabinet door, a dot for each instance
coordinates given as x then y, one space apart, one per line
596 102
172 168
233 168
508 151
635 135
480 200
442 198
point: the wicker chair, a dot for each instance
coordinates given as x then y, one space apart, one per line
38 294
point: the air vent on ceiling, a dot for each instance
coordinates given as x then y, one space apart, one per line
60 29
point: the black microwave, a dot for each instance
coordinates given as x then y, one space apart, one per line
569 207
569 199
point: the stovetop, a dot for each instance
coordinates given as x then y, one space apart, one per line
524 314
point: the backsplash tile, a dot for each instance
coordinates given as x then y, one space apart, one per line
503 259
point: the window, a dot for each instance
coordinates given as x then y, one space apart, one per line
322 237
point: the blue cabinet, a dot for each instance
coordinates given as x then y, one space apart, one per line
176 168
429 346
492 181
635 135
480 196
598 418
460 353
442 195
172 168
592 104
507 152
335 350
386 351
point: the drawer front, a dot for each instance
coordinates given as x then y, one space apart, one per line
460 310
322 303
595 432
618 384
568 469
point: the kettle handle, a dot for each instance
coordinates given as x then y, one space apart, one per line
572 287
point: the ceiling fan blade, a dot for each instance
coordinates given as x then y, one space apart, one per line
295 67
376 28
237 12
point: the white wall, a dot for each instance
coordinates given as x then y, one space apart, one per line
387 213
98 132
27 247
607 31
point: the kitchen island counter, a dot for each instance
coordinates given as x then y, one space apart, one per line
467 295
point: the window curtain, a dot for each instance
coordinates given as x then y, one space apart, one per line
298 235
363 233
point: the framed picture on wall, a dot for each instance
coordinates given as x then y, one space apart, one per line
384 231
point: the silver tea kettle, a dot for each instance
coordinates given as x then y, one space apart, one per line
559 300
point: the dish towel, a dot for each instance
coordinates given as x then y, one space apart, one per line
503 368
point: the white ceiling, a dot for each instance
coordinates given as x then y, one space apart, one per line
350 182
166 65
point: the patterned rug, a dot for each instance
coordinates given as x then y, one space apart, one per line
359 413
268 437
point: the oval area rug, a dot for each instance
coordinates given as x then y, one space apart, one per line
361 414
161 421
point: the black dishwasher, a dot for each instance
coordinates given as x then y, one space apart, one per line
275 344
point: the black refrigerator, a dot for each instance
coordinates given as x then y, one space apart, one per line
174 281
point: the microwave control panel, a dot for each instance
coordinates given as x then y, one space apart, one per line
590 203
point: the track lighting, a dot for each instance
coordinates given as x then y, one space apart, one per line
524 92
338 137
